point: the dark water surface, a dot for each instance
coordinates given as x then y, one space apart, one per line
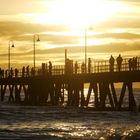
68 123
57 123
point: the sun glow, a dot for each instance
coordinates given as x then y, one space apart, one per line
78 13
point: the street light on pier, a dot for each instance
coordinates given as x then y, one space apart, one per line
86 29
34 42
11 44
85 50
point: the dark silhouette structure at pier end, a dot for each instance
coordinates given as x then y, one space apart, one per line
64 85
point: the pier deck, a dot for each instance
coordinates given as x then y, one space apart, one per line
63 86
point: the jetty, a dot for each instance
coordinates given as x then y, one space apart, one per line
65 84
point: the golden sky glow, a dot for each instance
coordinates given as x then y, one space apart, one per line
75 13
62 23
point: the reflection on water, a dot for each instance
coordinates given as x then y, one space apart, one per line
67 123
19 122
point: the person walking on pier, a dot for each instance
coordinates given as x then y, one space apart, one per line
32 72
50 67
16 72
11 72
111 63
27 71
89 65
46 68
76 67
6 73
119 62
83 68
23 71
134 63
130 62
2 73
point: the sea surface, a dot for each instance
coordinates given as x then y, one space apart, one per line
67 123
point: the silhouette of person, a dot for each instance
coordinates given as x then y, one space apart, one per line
76 67
46 68
23 71
16 72
130 62
11 72
119 62
6 73
32 72
83 67
89 65
39 72
134 63
27 71
2 73
111 63
50 67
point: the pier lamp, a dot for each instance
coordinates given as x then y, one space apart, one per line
35 38
85 50
11 44
86 29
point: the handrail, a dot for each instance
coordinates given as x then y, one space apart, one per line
95 67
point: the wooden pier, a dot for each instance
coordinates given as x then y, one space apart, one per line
62 87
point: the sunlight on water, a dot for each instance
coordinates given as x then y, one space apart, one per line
101 138
68 123
71 123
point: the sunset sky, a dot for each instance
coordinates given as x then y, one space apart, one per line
113 27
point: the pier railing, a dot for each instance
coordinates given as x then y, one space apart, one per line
104 66
94 67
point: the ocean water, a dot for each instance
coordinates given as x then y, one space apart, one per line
67 123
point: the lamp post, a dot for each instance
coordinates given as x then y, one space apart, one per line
85 50
10 45
34 41
86 29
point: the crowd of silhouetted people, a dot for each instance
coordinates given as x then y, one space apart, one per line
71 67
132 63
25 72
46 69
119 61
